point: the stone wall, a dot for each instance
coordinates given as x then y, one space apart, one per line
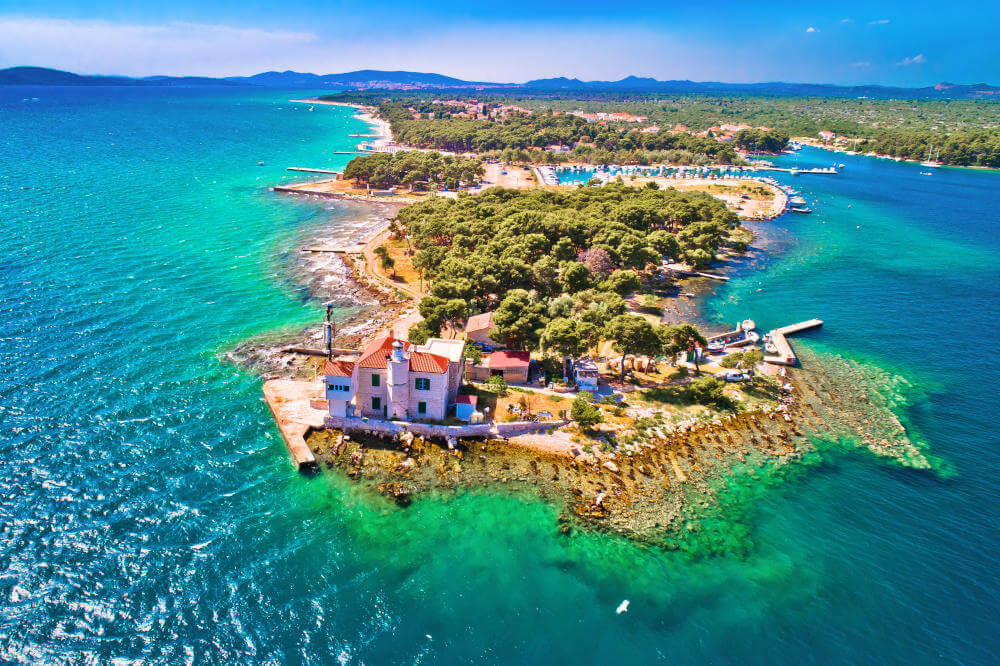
390 428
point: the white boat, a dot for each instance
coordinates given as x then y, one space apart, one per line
932 159
753 337
748 325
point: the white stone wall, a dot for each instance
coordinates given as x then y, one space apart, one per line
436 397
365 390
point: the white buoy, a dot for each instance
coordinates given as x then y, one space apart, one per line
622 607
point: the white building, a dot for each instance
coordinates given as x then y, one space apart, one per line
391 378
585 374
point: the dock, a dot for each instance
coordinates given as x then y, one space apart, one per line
822 170
298 408
686 271
309 351
785 355
311 170
354 248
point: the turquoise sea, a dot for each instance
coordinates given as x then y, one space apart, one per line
148 510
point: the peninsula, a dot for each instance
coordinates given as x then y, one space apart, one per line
538 332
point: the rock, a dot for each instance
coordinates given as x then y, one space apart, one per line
611 466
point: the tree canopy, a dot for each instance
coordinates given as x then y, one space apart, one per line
414 169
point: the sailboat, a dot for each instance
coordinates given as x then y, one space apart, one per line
932 159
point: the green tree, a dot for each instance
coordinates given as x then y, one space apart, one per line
633 334
745 359
622 282
519 320
683 337
665 243
388 264
585 412
563 335
575 276
420 332
709 391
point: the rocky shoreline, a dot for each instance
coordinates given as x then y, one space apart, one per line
363 308
661 491
664 492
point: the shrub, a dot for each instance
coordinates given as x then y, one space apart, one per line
708 391
496 384
585 412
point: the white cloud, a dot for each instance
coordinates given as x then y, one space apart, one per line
918 59
861 63
878 22
847 20
102 47
812 29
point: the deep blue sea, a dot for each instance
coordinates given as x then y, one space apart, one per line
148 510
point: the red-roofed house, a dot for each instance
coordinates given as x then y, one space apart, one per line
511 365
393 379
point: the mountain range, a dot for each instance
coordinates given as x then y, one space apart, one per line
368 79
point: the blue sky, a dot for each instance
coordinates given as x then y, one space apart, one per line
891 42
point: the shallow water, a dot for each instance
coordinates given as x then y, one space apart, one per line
148 508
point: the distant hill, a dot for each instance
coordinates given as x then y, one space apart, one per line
646 85
367 79
41 76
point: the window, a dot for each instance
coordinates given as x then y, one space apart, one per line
421 408
422 384
376 403
338 387
375 380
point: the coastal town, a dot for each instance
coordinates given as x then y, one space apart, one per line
590 365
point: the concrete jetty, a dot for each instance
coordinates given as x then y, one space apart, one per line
820 170
312 170
784 354
298 407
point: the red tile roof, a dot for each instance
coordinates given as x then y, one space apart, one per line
337 368
467 400
375 352
508 359
424 362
